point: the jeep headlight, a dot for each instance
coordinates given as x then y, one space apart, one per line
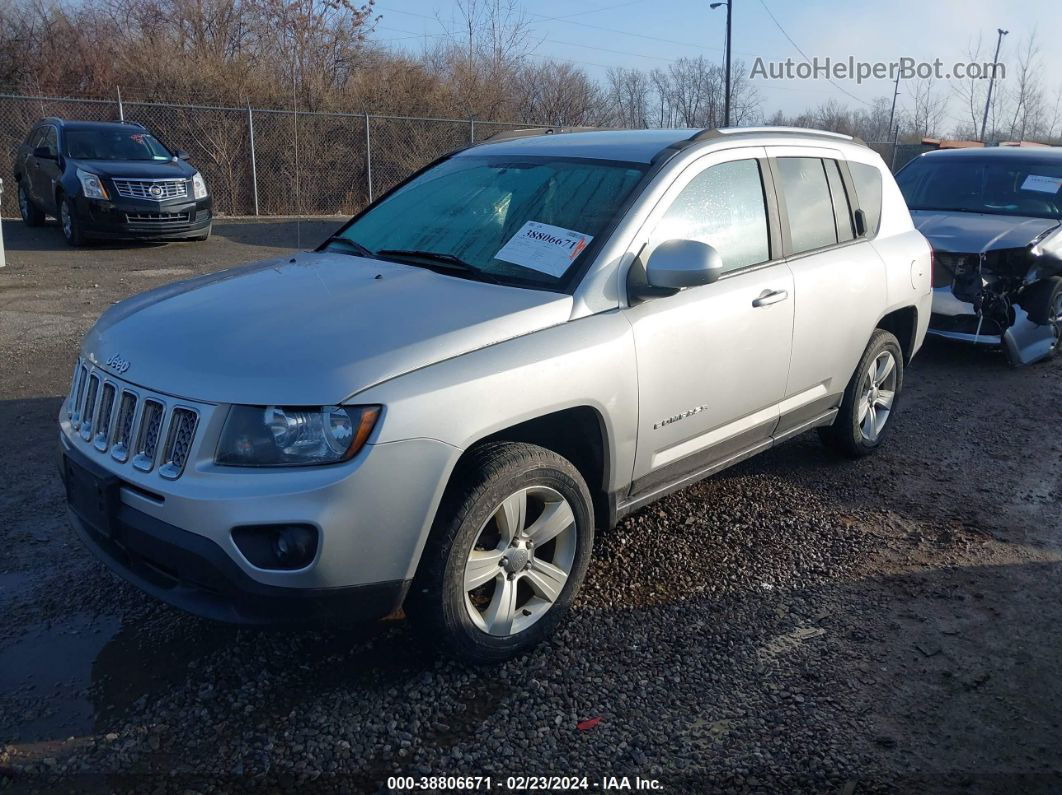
258 436
198 186
91 185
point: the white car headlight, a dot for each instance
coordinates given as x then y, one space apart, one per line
199 186
256 436
92 185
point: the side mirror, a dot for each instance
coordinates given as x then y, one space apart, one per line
181 154
44 153
675 264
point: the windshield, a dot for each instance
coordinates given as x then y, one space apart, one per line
524 221
131 144
1008 186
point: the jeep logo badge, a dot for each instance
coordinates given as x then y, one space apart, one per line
118 364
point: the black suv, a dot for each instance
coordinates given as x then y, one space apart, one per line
109 180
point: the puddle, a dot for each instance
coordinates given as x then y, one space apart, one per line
45 677
78 676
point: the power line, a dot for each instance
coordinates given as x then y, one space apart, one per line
806 58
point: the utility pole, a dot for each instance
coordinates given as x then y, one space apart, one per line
892 117
729 30
991 81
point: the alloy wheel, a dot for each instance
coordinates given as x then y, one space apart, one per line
878 395
23 203
520 561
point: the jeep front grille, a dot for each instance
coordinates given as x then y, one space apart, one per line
154 189
144 430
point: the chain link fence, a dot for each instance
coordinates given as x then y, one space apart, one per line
898 155
264 161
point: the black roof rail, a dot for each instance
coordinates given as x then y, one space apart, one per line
527 132
132 123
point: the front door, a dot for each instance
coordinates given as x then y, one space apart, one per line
712 360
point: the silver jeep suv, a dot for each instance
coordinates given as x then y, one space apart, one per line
524 342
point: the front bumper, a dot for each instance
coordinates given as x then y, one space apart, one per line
193 573
142 219
955 319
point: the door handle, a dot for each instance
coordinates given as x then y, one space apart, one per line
768 297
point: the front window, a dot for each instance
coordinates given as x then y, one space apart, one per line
525 221
131 144
1003 186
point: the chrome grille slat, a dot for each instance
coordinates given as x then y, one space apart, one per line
75 417
88 413
123 426
103 425
178 442
153 189
147 436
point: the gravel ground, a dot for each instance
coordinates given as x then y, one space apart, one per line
798 623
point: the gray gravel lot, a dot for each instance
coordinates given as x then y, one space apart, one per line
798 623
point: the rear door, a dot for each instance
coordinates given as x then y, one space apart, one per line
839 280
44 171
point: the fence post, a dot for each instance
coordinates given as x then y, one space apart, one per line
254 165
471 130
121 110
368 158
895 143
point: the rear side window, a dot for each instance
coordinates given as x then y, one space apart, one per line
867 181
842 210
50 141
722 206
808 203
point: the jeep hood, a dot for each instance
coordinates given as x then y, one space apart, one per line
976 233
308 330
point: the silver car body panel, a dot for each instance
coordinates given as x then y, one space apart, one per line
681 385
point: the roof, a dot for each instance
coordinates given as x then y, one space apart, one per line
76 124
637 146
1000 153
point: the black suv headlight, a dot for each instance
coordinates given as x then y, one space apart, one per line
258 436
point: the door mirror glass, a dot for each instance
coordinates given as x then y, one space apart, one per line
675 264
44 153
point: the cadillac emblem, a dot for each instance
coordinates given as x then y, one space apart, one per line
155 191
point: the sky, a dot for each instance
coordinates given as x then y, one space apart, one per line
597 34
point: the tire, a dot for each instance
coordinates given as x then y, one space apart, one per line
69 223
1043 301
203 237
856 431
31 214
479 506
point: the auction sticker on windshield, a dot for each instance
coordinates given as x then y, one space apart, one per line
543 247
1042 184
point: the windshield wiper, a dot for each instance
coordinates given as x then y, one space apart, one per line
438 260
356 247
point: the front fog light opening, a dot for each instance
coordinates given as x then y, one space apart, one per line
281 547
